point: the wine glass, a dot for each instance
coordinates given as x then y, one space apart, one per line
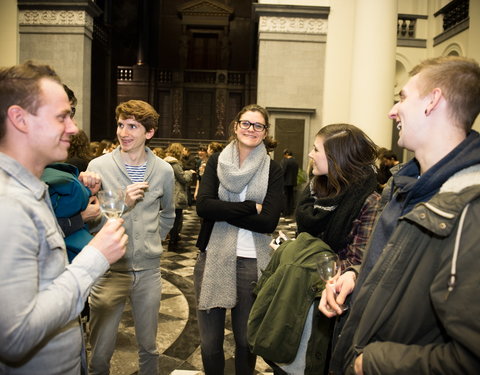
112 202
328 267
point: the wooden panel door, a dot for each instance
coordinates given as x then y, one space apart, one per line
199 114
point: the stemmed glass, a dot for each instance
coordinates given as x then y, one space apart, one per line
112 202
328 267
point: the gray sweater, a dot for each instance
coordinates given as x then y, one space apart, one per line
149 221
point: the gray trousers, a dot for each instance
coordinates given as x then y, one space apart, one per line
107 302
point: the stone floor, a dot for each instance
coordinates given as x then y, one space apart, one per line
177 338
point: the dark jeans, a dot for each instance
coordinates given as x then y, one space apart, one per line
177 225
211 322
289 192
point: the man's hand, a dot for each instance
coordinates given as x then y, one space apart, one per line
111 241
329 303
358 365
135 192
91 180
92 211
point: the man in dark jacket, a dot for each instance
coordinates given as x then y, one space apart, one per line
290 171
414 307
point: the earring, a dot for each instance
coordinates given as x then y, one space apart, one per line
426 112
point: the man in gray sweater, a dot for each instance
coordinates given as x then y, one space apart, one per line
148 183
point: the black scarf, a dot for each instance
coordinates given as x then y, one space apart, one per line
331 219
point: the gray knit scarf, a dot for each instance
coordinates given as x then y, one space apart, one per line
219 284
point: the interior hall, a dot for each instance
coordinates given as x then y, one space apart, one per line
310 63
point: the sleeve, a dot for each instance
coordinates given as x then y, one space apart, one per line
184 177
457 312
210 207
362 228
306 216
28 314
70 225
167 211
267 220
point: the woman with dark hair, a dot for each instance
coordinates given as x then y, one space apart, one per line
339 206
340 203
238 200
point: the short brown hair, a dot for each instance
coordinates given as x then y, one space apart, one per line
20 85
459 79
140 111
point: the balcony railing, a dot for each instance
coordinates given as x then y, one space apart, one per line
407 31
455 19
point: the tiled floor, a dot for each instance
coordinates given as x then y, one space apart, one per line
177 337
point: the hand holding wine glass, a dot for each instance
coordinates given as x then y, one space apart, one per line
112 202
328 267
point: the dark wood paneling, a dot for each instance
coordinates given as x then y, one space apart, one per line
290 134
199 121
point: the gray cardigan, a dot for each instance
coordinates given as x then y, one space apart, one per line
149 221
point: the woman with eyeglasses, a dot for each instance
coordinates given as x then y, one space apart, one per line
238 200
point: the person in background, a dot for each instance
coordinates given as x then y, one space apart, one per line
388 159
149 213
189 162
213 148
42 294
182 181
290 172
415 309
200 168
159 151
103 147
79 153
238 202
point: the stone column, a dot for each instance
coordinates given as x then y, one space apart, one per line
373 68
8 33
59 33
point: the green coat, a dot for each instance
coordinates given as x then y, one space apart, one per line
285 292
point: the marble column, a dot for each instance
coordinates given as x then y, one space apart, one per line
373 68
60 34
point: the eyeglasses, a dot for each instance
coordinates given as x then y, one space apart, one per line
245 124
72 111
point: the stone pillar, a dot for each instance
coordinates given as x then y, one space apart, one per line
59 33
373 68
291 58
8 33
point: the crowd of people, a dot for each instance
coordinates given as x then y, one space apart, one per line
403 299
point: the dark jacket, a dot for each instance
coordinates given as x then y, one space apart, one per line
290 171
241 214
285 292
405 320
69 197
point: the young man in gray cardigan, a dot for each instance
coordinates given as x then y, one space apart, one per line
149 213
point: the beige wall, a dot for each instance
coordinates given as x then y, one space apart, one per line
8 33
62 40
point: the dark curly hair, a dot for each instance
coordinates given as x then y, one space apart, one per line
350 154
